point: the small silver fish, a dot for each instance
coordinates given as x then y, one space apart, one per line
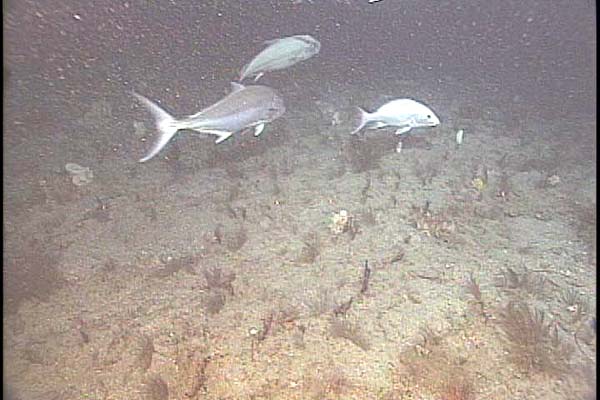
405 114
245 107
280 54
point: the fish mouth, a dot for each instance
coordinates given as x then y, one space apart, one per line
435 121
275 113
277 108
428 123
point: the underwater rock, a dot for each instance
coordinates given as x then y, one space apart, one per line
79 175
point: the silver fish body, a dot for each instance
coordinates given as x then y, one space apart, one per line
280 54
404 114
245 107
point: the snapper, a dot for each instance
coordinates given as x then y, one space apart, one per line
404 114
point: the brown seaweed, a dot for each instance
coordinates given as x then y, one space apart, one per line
533 342
343 328
366 277
473 287
154 388
342 309
364 155
522 282
217 279
576 304
311 250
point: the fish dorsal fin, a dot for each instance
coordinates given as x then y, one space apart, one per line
236 87
271 41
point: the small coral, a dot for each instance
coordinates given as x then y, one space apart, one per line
341 222
480 178
439 225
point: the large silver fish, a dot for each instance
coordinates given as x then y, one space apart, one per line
245 107
404 114
281 53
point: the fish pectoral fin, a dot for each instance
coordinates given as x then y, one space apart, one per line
236 87
209 131
257 77
400 131
222 136
258 129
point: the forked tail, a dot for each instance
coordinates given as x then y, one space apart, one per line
165 123
361 120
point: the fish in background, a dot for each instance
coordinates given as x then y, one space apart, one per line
245 107
280 54
404 114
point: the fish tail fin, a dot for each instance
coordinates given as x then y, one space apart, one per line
165 123
243 73
362 119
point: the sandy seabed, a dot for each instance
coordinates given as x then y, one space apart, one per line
214 272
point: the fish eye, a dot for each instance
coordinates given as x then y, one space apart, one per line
428 116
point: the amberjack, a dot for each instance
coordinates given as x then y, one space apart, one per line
280 54
245 107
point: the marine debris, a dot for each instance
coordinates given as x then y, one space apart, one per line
460 134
